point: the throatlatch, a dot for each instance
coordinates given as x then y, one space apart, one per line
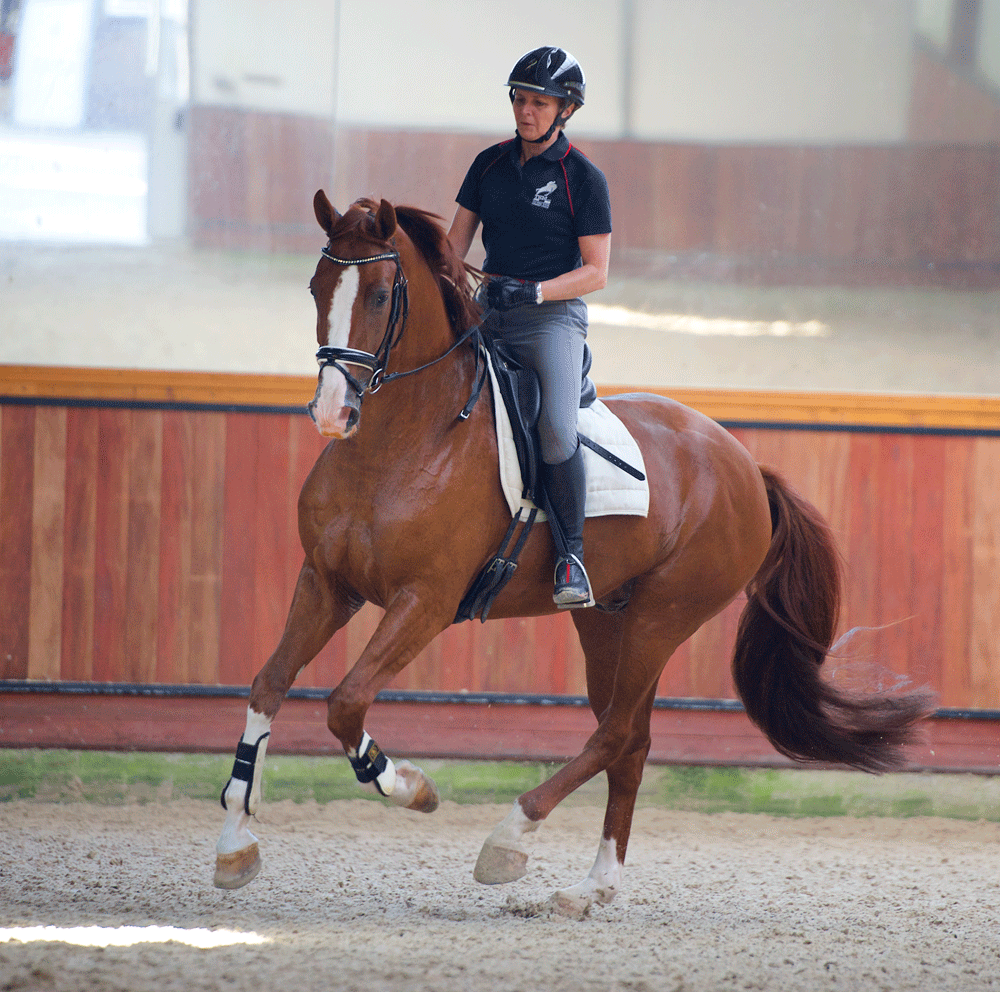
244 769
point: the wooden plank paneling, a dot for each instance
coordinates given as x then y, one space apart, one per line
858 214
984 651
190 547
207 528
144 545
237 651
47 531
111 545
145 457
894 538
254 176
926 641
861 551
17 469
173 633
957 581
434 730
948 103
80 543
925 214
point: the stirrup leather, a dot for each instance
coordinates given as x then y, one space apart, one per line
572 584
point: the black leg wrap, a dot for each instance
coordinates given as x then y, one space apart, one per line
243 766
369 764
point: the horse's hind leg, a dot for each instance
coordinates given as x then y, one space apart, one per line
604 881
601 639
625 655
505 854
315 614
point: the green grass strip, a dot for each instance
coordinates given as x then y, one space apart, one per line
141 777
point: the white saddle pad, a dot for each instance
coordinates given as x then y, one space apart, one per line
610 491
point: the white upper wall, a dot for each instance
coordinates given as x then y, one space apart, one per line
262 55
933 20
443 63
776 71
988 55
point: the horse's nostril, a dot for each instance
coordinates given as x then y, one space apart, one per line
352 419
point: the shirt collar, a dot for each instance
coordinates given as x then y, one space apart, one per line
553 153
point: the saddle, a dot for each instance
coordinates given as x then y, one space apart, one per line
521 395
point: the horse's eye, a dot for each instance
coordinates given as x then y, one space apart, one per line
381 298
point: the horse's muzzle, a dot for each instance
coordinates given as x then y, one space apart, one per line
340 424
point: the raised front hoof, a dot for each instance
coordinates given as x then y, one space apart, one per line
425 795
499 865
233 871
427 799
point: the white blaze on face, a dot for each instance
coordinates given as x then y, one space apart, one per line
328 408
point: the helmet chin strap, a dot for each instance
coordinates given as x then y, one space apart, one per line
545 137
559 119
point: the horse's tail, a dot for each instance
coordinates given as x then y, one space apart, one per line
784 635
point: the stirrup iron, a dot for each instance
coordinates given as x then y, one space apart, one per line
572 589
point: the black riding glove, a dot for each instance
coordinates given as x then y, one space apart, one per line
505 292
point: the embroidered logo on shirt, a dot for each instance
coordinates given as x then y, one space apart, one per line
543 195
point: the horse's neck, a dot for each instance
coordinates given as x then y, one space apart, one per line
427 402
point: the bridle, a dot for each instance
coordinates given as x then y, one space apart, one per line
399 309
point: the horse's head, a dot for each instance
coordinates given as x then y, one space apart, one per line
360 295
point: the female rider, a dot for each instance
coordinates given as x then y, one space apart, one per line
546 217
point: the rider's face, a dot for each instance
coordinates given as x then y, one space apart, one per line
534 113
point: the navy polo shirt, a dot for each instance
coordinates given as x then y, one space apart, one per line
533 214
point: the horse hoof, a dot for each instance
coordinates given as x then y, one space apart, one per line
427 798
573 907
499 865
233 871
416 790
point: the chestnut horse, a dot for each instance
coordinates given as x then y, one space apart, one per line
404 507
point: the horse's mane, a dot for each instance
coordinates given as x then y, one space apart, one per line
454 276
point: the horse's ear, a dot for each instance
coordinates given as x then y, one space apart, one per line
325 213
385 220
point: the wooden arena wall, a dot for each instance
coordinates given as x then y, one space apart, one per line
895 214
148 537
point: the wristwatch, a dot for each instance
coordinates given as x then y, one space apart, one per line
538 293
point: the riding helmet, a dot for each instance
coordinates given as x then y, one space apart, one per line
548 70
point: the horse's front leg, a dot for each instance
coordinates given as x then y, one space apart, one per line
316 613
408 626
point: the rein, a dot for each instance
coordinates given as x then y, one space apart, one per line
376 363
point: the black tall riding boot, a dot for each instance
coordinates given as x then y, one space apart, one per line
566 492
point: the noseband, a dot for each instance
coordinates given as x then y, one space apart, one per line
399 309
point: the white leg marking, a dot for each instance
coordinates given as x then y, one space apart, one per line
328 408
505 855
236 833
601 885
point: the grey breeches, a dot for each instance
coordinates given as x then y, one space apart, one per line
549 338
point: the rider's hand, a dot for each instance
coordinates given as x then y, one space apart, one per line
505 292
